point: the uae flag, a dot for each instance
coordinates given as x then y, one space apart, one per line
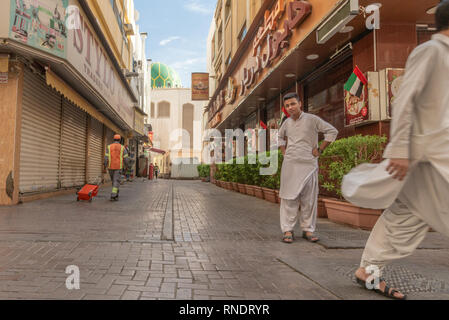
356 82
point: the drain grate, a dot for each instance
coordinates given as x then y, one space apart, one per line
403 279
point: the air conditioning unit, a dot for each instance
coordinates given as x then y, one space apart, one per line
129 30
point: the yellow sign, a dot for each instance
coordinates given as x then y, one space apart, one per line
4 63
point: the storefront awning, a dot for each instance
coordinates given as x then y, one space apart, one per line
157 151
59 85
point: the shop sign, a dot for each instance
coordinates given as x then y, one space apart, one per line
297 11
390 80
86 53
4 77
216 120
231 91
200 86
365 108
356 108
40 24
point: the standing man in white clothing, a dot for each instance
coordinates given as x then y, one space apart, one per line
419 135
298 140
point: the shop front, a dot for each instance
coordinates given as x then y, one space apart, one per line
312 48
62 101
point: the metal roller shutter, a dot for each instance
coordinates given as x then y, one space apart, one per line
73 146
40 137
95 152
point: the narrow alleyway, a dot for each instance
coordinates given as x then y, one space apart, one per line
189 240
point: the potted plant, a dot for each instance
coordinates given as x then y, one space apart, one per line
337 160
204 172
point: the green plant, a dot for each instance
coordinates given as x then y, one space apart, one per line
345 154
249 171
204 170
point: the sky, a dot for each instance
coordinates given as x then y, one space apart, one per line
177 33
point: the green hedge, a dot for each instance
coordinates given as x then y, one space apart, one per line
345 154
336 161
249 173
204 170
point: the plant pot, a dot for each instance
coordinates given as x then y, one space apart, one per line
203 179
258 192
249 190
242 188
345 213
269 195
322 213
235 186
278 200
228 185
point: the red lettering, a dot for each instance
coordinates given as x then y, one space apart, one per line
78 38
89 41
298 11
99 57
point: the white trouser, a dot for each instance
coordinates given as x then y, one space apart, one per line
308 198
423 202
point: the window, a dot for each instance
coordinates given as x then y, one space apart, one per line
152 115
163 110
228 60
227 10
242 34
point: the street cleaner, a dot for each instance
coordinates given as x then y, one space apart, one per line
299 175
416 169
115 160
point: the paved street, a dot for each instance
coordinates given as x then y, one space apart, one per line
190 240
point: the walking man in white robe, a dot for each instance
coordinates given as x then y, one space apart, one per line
419 136
299 175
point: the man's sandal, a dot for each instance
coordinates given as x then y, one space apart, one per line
311 238
288 238
389 292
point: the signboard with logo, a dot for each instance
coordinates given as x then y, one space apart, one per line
390 83
366 107
40 24
200 86
86 53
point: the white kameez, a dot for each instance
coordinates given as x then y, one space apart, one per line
299 175
420 132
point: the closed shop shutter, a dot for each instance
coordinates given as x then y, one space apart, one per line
73 146
40 137
109 140
95 152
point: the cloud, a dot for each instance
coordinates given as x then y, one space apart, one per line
189 63
168 40
197 6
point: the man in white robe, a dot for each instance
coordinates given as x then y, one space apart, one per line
299 175
419 148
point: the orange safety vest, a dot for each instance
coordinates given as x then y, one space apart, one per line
115 156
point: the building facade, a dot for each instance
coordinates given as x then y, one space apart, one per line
312 47
175 119
65 90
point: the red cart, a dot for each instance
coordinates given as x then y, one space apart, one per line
88 192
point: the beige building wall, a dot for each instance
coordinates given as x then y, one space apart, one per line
5 17
232 18
10 113
104 13
178 98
